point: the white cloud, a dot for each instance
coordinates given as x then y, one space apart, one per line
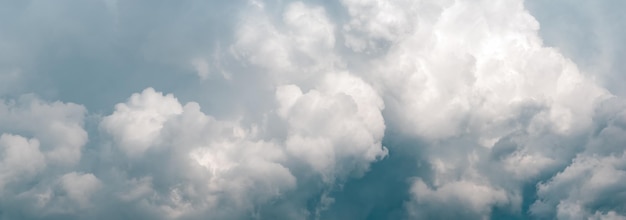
296 49
136 125
374 25
80 187
20 158
339 122
39 141
473 199
583 188
481 73
58 126
208 164
467 77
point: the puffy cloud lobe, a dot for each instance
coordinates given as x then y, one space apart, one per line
70 194
80 187
55 130
294 50
583 188
136 125
40 143
374 25
21 158
206 164
591 186
339 122
476 199
58 126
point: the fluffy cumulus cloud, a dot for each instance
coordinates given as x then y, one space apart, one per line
472 78
205 166
268 109
41 144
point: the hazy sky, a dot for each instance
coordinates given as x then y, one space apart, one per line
280 109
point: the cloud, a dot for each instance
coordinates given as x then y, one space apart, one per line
475 82
205 165
296 49
302 109
209 164
40 141
340 122
475 199
582 189
16 150
80 187
137 125
58 126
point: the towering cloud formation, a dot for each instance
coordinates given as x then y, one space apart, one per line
473 80
311 99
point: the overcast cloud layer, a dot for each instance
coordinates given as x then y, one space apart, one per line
351 109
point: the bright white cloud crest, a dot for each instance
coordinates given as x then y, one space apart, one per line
503 125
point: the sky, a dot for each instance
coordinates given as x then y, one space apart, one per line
312 109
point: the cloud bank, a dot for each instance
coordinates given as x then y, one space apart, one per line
303 110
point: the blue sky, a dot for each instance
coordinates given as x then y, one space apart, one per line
274 109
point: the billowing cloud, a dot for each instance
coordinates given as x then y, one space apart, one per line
335 129
269 109
41 143
223 168
590 187
205 165
58 126
16 150
137 125
495 106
